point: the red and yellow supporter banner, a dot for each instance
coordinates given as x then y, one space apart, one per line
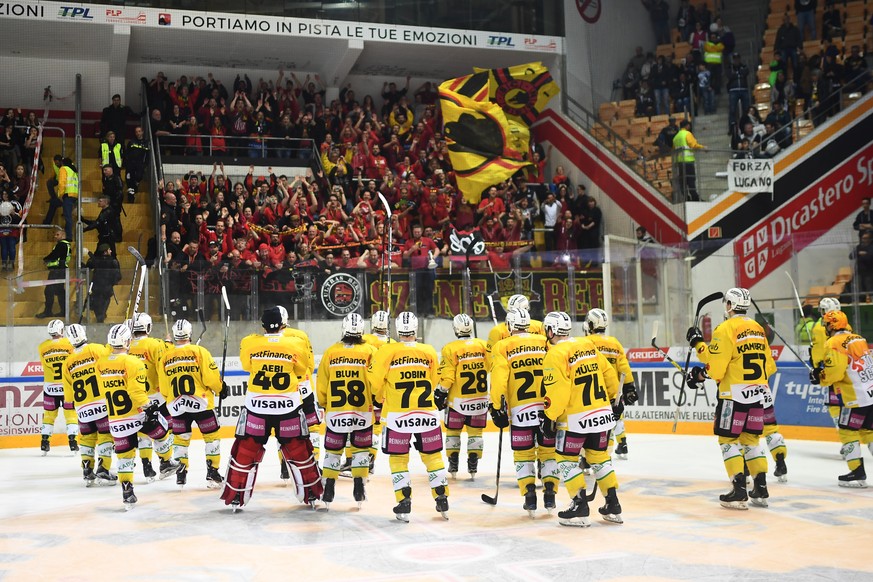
522 91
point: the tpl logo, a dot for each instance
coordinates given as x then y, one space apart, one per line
494 40
75 12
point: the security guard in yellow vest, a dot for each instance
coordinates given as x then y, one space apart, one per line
57 262
712 55
110 153
63 192
684 145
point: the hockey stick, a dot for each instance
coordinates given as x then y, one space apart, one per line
785 343
487 498
226 302
88 302
700 304
142 274
493 313
800 308
140 262
662 350
202 321
390 247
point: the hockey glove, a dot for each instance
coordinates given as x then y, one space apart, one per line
694 336
629 393
151 421
499 417
548 428
696 376
377 404
440 398
618 408
225 391
815 374
310 410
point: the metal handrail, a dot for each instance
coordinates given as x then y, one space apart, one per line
51 128
263 139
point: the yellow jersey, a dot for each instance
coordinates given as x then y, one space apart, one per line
376 340
150 352
516 375
274 363
463 374
343 387
500 331
610 347
403 377
579 385
81 384
190 379
848 367
122 381
739 359
52 353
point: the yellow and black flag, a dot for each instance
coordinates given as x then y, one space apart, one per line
484 147
522 91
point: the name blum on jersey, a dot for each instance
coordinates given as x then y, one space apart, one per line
416 420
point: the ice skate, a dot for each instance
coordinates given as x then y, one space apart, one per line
359 493
74 446
236 503
328 494
128 496
104 477
621 449
453 465
737 497
577 514
44 445
748 475
148 471
346 468
404 508
611 510
283 472
213 477
181 476
530 500
758 496
442 501
472 465
88 473
781 469
549 496
167 468
856 478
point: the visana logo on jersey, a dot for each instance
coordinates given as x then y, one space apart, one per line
596 419
417 422
750 392
272 403
347 422
96 411
472 407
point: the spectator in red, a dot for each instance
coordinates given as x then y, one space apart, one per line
567 234
492 206
416 251
491 229
435 210
560 177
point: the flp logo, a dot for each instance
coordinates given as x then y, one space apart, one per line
495 40
75 12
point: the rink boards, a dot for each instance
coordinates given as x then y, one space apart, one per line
800 407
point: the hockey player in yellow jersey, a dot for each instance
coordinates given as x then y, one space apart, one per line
123 384
273 406
580 385
740 361
848 367
189 382
82 388
52 353
343 387
463 393
150 351
596 322
517 403
377 338
500 331
817 357
403 376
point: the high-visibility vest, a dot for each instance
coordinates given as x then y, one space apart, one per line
56 263
104 153
712 53
685 155
71 186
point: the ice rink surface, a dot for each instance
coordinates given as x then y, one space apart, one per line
53 528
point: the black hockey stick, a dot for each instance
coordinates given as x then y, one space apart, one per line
662 350
700 305
800 307
142 275
486 498
785 343
87 303
226 302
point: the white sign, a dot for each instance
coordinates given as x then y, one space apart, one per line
750 175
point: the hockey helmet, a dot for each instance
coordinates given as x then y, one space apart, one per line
272 320
517 319
353 325
463 325
828 304
737 299
76 334
284 313
55 328
142 323
182 330
596 321
119 336
558 322
407 323
517 301
379 322
835 321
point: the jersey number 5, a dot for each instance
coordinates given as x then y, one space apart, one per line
754 370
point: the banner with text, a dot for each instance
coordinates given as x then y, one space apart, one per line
750 175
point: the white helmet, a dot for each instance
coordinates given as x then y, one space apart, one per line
182 330
142 323
55 328
119 336
406 323
826 305
596 321
284 313
558 322
517 302
76 334
517 319
463 325
353 325
379 321
737 299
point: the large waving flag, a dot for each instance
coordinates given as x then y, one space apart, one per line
484 147
522 91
